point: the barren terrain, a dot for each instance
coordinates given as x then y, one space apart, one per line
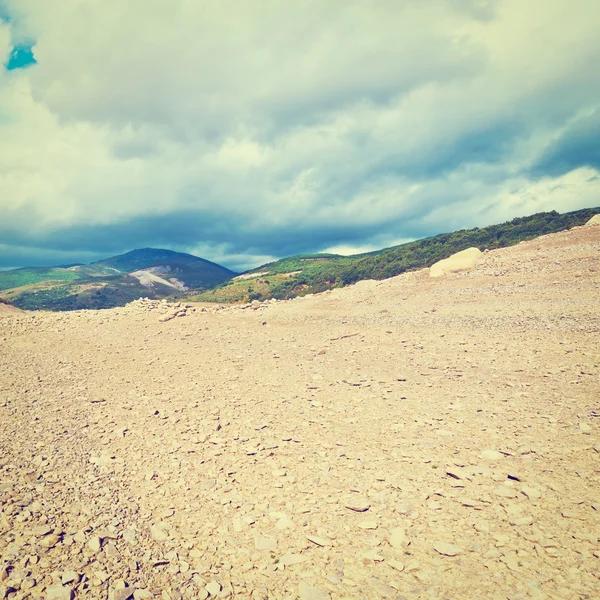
407 438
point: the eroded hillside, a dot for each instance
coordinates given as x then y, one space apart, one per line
406 438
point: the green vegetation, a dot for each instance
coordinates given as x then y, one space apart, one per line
21 277
107 284
78 297
104 285
321 272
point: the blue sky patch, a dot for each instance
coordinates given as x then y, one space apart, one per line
21 56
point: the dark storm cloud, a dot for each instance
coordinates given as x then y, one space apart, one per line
578 146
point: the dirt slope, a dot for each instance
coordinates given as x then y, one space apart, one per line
408 438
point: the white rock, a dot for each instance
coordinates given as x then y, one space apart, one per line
460 261
595 220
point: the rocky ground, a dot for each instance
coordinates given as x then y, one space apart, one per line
409 438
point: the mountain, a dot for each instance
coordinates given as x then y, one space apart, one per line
190 270
115 281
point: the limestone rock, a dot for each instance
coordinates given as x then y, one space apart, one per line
466 259
595 220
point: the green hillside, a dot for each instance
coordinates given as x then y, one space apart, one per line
304 274
109 283
20 277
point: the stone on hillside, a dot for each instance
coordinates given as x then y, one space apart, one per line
595 220
457 262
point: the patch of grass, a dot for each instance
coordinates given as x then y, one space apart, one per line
21 277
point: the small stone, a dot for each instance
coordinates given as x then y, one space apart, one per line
584 428
264 542
527 520
284 523
308 592
357 505
491 455
398 538
28 583
456 473
42 530
123 593
95 544
447 549
58 592
292 559
142 595
395 564
531 493
213 588
372 555
159 533
505 492
49 541
368 525
69 577
319 541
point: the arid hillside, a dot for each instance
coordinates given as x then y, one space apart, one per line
408 438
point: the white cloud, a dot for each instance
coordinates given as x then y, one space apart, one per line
377 121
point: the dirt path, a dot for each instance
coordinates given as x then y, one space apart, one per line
410 438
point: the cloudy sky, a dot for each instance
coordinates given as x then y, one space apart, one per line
242 130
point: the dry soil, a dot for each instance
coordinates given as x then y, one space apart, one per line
408 438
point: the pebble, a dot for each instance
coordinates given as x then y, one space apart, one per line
506 492
49 541
491 455
264 542
398 538
447 549
395 564
319 541
123 593
95 544
159 533
42 530
357 505
58 592
309 592
213 588
292 559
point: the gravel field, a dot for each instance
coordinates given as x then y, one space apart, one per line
407 438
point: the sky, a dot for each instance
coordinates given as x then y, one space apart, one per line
247 130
